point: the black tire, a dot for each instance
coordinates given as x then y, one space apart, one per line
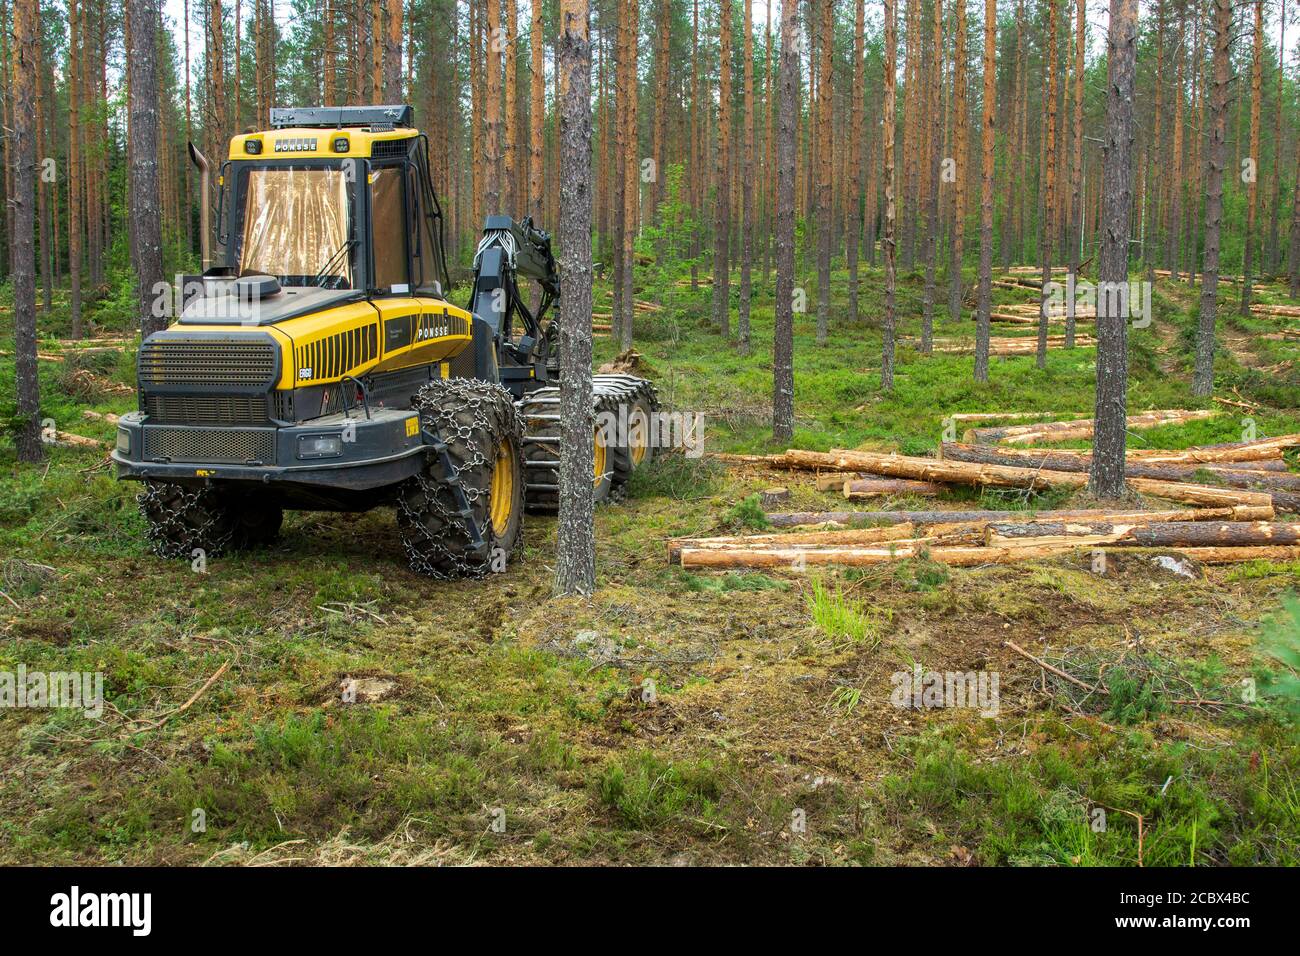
540 411
213 520
478 422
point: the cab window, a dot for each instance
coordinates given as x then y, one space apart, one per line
389 228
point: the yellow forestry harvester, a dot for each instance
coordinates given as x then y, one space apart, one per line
323 366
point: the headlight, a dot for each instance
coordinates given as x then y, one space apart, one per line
252 146
124 441
341 144
320 446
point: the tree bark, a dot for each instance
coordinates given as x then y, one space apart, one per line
1216 158
722 201
1047 225
1076 166
20 153
1155 535
393 53
887 241
825 83
1252 187
536 115
510 173
492 111
1108 461
935 156
961 154
748 226
575 560
631 178
146 216
986 193
783 332
74 166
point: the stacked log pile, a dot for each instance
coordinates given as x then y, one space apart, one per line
1235 492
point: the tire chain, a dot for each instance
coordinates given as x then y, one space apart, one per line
471 417
166 505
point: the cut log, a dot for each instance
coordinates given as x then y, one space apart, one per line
881 487
798 519
78 441
798 558
1165 534
770 497
1237 455
1002 476
854 536
1233 478
1081 428
100 417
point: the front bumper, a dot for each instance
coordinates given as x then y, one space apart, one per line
359 453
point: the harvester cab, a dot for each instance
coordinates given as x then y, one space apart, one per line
320 363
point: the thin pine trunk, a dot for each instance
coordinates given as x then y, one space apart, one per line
961 152
747 186
21 154
1216 158
575 558
722 204
1107 473
787 117
987 137
887 242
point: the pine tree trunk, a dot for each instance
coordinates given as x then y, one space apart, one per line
1075 239
492 110
663 42
1216 158
1046 225
987 135
575 558
1106 478
748 226
1173 173
961 152
393 52
934 83
511 204
1252 187
20 153
787 118
631 178
75 174
146 216
887 241
1274 190
823 137
854 221
722 202
536 115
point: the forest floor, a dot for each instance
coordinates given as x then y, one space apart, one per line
497 724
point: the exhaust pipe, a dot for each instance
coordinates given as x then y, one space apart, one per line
205 240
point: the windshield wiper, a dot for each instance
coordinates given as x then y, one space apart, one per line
329 263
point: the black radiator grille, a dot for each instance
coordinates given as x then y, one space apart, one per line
206 409
200 362
215 445
337 354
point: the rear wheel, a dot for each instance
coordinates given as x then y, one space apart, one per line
480 427
209 519
625 408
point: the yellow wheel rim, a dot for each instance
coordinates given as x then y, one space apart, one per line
638 441
600 460
501 502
